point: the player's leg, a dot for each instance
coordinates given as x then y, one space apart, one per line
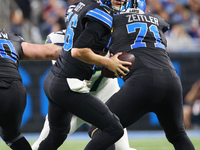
83 105
106 88
170 115
97 113
43 134
132 101
174 129
130 98
94 111
59 119
75 123
59 124
13 102
58 133
123 142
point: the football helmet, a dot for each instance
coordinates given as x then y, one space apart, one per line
137 6
105 2
115 5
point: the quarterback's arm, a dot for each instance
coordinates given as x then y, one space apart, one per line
113 63
93 32
40 52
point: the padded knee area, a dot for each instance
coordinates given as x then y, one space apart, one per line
115 129
59 129
104 138
52 142
57 135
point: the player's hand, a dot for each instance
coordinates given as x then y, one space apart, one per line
118 66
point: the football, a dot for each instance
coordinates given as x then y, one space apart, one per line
124 57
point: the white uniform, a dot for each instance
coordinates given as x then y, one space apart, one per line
103 90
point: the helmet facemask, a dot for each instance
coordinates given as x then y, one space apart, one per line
117 5
135 6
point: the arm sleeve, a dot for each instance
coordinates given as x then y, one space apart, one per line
16 41
101 14
92 33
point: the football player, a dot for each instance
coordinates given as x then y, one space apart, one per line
12 91
99 86
88 32
152 85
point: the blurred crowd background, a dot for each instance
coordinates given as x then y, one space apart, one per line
35 19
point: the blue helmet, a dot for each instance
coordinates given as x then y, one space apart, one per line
106 2
133 5
114 8
141 4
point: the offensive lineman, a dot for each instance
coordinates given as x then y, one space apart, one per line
12 91
152 85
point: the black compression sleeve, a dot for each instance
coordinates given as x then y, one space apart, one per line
92 33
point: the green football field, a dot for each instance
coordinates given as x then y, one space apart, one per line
139 144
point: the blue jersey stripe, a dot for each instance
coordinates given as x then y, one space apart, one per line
103 12
11 48
101 15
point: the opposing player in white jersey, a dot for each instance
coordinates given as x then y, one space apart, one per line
99 86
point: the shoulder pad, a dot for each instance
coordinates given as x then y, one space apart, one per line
11 36
102 14
56 38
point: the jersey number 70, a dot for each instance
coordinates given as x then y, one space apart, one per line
7 50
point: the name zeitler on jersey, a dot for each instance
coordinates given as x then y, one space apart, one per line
137 17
